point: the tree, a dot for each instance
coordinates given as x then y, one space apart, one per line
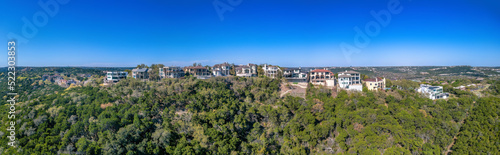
232 71
260 71
142 66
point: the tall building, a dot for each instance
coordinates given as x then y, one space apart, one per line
171 72
350 80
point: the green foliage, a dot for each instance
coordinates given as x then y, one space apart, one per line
234 115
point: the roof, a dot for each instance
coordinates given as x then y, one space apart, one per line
341 76
241 67
291 69
374 79
171 67
350 72
223 64
321 70
140 70
196 67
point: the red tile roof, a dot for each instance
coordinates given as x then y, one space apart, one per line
373 79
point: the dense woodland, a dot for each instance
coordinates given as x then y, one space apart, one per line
233 115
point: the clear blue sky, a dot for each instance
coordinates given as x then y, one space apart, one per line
281 32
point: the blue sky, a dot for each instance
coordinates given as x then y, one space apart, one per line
285 33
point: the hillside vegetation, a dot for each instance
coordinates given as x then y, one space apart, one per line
246 116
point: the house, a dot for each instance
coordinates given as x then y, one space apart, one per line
295 75
322 77
432 92
375 83
221 69
350 80
249 70
199 72
271 71
171 72
115 76
71 81
140 73
61 82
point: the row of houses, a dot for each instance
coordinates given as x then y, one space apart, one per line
349 80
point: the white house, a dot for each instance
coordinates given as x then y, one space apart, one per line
249 70
432 92
350 80
271 71
116 76
221 69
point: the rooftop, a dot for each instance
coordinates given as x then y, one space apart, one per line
140 70
196 67
350 72
374 79
321 70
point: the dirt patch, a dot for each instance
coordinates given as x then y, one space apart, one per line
297 89
180 112
358 127
103 106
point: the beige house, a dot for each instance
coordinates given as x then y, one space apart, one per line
375 83
322 77
249 70
199 72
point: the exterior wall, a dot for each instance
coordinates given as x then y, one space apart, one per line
356 87
432 92
199 72
375 85
322 77
221 70
116 76
249 70
348 78
171 72
271 71
344 82
140 74
295 75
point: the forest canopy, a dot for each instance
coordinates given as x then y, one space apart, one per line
234 115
